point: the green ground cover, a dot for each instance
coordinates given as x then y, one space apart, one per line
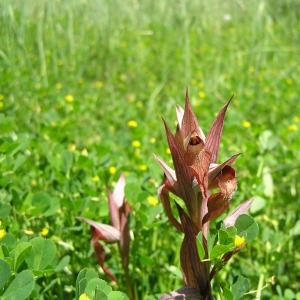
83 86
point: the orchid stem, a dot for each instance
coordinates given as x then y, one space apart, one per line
130 293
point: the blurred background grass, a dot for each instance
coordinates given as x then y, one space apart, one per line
73 73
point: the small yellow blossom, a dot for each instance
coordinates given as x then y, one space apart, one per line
59 211
69 98
99 84
112 170
297 119
132 123
29 232
139 104
131 98
200 74
58 86
151 84
293 127
84 297
2 234
194 81
201 94
1 104
289 81
168 151
53 124
59 63
152 180
153 201
246 124
196 102
44 231
71 147
239 241
251 69
200 85
84 152
143 167
95 178
152 140
33 182
1 97
260 78
266 89
136 144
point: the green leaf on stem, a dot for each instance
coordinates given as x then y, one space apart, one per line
200 248
212 239
218 251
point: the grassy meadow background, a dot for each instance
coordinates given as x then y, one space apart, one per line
74 73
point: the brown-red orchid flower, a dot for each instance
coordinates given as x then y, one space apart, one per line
195 169
118 232
195 174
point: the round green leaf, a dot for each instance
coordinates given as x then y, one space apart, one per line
4 272
115 295
21 287
245 223
41 255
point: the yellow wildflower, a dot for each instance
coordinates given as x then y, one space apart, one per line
152 140
132 123
239 241
139 104
69 98
297 119
71 147
289 81
201 85
168 151
53 124
44 231
112 170
196 102
99 84
131 98
293 127
251 69
143 167
246 124
201 94
136 144
2 233
84 297
194 81
153 201
59 63
266 89
95 178
58 86
84 152
1 104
